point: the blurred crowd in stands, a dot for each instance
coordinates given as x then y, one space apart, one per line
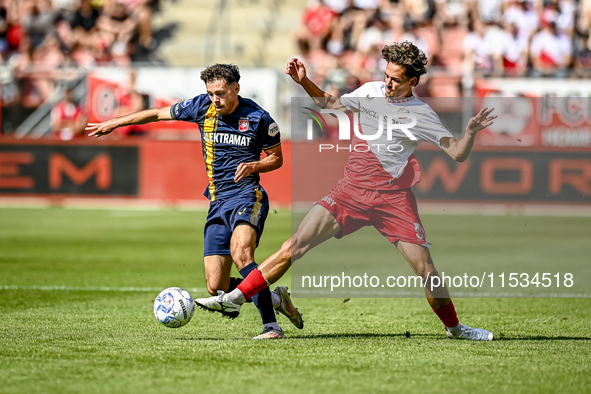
341 40
42 41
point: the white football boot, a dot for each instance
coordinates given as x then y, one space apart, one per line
219 303
464 332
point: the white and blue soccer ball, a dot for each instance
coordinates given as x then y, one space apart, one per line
174 307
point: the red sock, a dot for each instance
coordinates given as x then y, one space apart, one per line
252 284
447 315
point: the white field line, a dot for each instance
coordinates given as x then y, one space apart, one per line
96 288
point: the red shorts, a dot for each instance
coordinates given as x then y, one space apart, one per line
393 213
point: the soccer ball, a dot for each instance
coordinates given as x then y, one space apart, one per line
174 307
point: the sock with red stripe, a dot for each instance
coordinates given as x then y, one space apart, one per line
252 284
447 315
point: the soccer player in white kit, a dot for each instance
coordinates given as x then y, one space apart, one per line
376 188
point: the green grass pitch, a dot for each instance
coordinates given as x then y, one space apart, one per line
77 289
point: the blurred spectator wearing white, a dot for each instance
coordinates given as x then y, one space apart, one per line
338 6
514 52
369 6
550 50
451 12
524 15
563 12
487 11
478 50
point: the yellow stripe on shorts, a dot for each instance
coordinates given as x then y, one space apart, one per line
256 208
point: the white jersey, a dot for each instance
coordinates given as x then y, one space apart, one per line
380 163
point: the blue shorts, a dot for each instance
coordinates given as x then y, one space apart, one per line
224 215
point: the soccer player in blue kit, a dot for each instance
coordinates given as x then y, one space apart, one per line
234 131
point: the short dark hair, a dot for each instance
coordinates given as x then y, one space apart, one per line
228 72
406 54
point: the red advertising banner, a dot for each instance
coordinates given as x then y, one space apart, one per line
507 175
149 170
534 118
173 172
492 175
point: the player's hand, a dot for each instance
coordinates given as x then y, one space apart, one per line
100 129
481 120
296 70
244 170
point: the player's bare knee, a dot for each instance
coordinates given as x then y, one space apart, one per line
242 258
425 270
431 276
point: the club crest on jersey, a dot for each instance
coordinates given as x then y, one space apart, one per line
243 124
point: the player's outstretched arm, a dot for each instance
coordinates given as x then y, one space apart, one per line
141 117
460 150
297 71
273 161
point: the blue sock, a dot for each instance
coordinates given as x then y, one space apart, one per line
244 272
262 299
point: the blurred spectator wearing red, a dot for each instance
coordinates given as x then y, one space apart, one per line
132 101
68 119
316 27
